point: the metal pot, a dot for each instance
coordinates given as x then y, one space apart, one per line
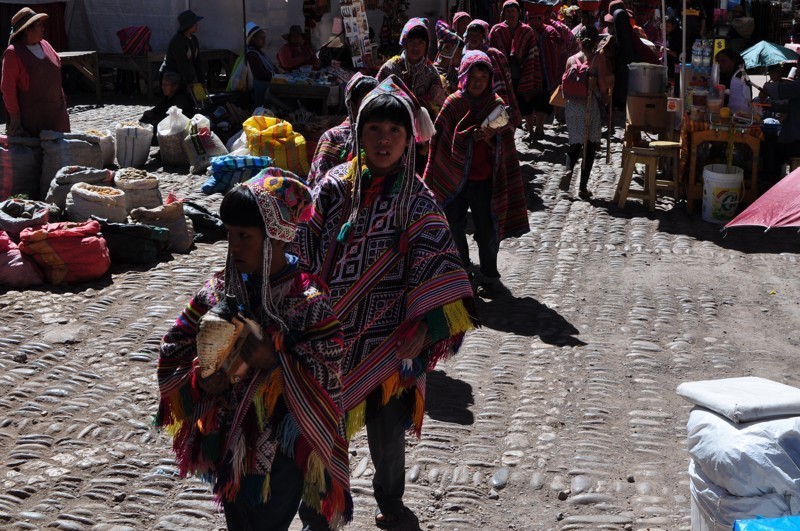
644 78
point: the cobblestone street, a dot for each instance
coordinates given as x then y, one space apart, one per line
560 413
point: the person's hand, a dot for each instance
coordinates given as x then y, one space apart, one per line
14 127
216 383
258 353
412 347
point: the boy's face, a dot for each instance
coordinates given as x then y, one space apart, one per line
474 39
477 82
415 49
246 245
384 144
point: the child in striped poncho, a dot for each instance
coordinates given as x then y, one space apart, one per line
276 435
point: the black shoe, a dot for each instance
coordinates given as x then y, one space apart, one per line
585 194
566 180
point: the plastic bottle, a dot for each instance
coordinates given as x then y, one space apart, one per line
706 56
696 59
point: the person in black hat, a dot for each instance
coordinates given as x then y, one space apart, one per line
183 52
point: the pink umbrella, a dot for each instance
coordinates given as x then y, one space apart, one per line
778 207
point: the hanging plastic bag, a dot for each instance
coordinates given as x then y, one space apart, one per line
242 76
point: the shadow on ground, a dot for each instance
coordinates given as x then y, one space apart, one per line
525 316
448 399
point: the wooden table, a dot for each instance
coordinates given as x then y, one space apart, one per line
87 64
694 189
147 66
298 91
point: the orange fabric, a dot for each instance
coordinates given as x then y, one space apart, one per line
277 139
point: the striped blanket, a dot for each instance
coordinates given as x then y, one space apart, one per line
517 47
332 149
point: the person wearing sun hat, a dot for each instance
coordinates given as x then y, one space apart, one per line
296 52
183 51
31 79
383 247
277 435
259 62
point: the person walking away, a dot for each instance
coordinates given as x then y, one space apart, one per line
336 144
381 244
547 66
277 434
475 167
582 67
183 51
31 79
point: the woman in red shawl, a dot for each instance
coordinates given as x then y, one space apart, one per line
473 165
31 79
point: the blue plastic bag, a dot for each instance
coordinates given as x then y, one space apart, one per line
786 523
229 170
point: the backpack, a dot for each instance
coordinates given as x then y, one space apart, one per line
575 81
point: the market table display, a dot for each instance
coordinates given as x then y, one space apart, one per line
325 86
86 63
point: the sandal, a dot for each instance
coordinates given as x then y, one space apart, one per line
404 518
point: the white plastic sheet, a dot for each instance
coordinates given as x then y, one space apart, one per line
743 399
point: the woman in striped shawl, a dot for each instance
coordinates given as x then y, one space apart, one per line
274 433
475 167
336 144
382 245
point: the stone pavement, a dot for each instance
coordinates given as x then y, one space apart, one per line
560 413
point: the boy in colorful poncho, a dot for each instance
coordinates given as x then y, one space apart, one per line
382 245
475 167
277 435
336 144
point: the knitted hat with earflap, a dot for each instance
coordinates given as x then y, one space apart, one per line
355 83
284 200
470 59
480 25
422 131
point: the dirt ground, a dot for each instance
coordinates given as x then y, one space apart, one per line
560 413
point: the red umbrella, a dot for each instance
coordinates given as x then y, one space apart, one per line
778 207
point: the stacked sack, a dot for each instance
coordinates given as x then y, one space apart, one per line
18 214
68 176
16 269
86 200
20 164
107 145
67 149
133 143
169 216
67 252
141 188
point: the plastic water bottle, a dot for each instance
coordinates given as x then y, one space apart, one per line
707 56
696 55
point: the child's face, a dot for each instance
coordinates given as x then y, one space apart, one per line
415 49
246 245
477 82
384 144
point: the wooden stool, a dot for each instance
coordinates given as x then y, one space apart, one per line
669 153
630 157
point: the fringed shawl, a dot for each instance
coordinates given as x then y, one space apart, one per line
519 46
380 294
450 160
333 148
230 439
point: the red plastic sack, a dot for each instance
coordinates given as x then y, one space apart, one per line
17 270
67 252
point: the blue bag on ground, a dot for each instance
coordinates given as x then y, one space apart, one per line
229 170
786 523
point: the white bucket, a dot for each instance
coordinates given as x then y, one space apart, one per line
722 192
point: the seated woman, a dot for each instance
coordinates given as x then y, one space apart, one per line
296 52
173 97
260 64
